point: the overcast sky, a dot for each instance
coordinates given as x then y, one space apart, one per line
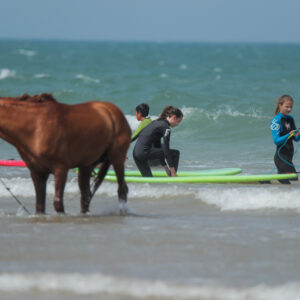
152 20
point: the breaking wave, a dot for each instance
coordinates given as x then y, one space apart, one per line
97 284
6 73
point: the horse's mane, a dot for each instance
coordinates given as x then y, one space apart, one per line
35 98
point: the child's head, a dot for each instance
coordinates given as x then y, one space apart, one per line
165 112
142 110
284 104
171 112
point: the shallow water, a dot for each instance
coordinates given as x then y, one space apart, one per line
174 243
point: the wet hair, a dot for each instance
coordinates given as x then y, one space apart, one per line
169 111
143 109
165 111
281 100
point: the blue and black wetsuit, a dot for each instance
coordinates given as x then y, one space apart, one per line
149 147
281 126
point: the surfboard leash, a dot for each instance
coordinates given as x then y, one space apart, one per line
12 194
284 160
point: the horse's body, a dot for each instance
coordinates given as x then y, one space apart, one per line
53 137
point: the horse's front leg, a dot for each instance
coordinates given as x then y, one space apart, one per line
60 177
84 176
40 183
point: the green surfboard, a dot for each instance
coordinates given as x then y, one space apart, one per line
209 172
206 179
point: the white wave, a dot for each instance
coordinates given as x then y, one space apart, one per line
188 111
18 186
161 191
224 110
227 110
24 187
251 198
163 75
86 78
226 197
99 284
6 73
28 53
183 67
134 123
41 75
191 111
218 70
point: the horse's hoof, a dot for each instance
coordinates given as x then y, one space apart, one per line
59 207
84 209
40 210
123 209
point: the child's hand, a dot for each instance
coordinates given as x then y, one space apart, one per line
294 133
173 172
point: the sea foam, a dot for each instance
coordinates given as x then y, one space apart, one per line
226 197
134 123
237 198
6 73
87 78
28 53
100 284
214 114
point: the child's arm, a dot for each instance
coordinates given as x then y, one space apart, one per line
275 129
142 125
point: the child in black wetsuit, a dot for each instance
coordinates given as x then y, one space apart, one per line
149 146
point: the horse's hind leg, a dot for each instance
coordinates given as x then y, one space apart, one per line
122 186
60 177
84 176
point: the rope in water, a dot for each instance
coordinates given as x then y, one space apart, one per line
12 194
284 160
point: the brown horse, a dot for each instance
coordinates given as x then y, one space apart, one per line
53 137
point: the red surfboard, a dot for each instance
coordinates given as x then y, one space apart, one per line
12 163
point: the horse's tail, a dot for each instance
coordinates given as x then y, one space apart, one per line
102 171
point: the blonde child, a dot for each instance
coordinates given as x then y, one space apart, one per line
284 132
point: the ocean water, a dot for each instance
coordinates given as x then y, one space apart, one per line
178 241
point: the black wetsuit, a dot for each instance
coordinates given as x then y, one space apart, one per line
281 126
149 146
